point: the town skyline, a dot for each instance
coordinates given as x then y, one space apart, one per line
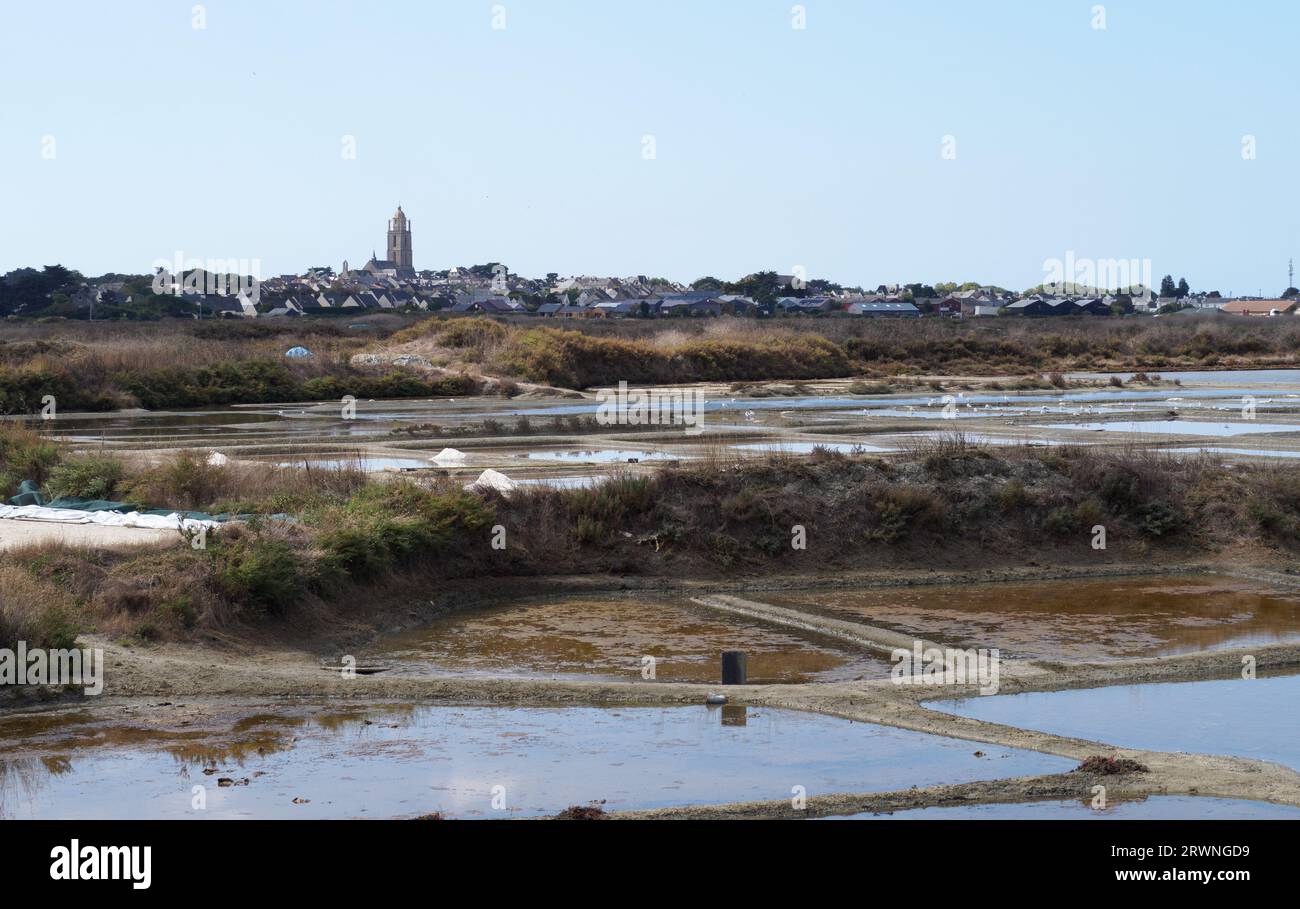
930 143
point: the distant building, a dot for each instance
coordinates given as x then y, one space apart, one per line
1261 307
399 261
399 241
885 309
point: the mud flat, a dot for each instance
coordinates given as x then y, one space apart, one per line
610 638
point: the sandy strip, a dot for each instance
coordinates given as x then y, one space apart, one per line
25 533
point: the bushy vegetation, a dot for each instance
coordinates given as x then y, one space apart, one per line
86 477
24 455
33 610
579 359
590 352
94 367
351 537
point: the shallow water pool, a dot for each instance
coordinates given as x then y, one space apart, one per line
1254 718
470 762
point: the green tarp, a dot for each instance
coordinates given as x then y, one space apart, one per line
30 494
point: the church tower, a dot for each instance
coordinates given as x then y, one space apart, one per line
399 240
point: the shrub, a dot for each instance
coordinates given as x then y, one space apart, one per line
1159 518
723 549
1061 521
24 455
86 477
260 574
589 531
468 333
1012 495
187 481
1089 513
387 525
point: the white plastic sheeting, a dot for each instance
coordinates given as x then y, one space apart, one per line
110 518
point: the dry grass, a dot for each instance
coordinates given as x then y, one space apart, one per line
33 610
950 503
584 352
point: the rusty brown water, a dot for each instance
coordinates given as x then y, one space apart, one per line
609 638
1095 619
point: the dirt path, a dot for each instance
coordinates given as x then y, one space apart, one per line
14 534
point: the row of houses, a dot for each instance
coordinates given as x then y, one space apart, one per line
702 303
245 306
1037 306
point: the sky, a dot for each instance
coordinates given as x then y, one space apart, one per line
881 142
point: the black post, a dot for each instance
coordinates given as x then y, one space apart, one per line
735 667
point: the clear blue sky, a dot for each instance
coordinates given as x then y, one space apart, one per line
775 147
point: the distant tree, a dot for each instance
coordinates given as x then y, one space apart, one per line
484 271
761 287
707 283
1290 292
1183 288
28 290
1167 286
819 286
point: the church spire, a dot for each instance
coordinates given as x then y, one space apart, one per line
399 240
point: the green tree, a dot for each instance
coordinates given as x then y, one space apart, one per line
707 283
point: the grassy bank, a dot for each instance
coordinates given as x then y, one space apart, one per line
98 368
585 353
355 538
192 364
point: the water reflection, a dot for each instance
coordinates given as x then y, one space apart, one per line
387 761
1253 718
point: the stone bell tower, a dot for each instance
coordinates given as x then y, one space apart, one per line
399 240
